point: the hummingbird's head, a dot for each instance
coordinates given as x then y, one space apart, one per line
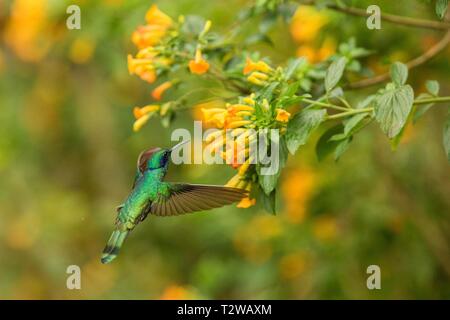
157 158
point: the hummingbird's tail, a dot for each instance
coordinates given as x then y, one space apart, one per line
113 246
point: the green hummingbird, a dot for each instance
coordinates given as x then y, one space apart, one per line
151 195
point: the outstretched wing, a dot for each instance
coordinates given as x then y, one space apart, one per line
187 198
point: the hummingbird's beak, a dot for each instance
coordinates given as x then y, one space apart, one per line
179 145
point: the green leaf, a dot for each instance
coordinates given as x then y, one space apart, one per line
353 124
399 73
341 148
420 110
447 137
269 201
293 65
325 145
441 8
334 73
432 87
301 126
392 108
269 182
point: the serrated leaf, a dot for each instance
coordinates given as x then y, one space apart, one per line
441 8
335 73
301 126
432 87
446 137
392 108
399 73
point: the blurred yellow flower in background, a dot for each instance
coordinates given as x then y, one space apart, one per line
305 27
252 240
297 189
177 292
27 31
313 54
293 265
82 50
306 24
325 228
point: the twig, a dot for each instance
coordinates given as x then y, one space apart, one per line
422 59
406 21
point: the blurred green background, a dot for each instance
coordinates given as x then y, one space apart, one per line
67 156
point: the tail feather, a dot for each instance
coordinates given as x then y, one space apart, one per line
113 246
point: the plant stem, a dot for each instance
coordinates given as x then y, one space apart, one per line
324 104
432 100
349 113
367 110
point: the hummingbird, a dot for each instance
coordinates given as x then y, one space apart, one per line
150 194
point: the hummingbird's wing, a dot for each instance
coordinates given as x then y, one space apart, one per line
186 198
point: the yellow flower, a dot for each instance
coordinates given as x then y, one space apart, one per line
293 265
142 115
142 68
306 24
313 55
147 36
159 90
325 228
176 292
282 115
139 112
154 16
198 65
246 203
256 66
81 50
140 122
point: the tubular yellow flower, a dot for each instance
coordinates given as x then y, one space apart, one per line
246 203
209 113
243 169
233 182
244 114
159 90
198 65
249 101
139 123
260 75
255 80
239 107
148 36
238 123
154 16
282 115
140 112
214 135
256 66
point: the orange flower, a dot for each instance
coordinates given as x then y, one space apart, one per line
142 115
154 16
198 65
255 66
246 203
159 90
282 115
147 36
306 23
